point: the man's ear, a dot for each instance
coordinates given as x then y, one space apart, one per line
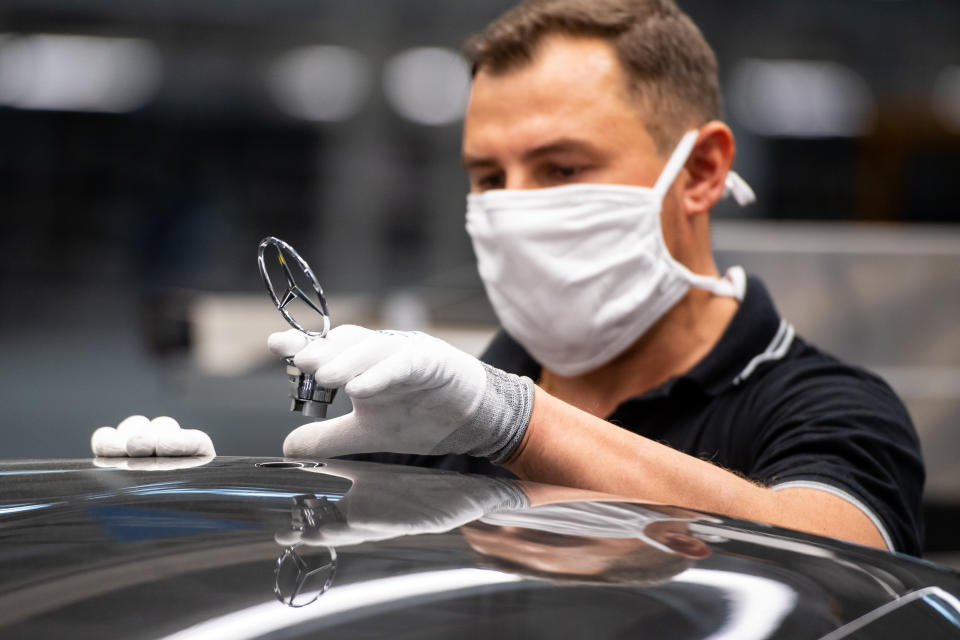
707 167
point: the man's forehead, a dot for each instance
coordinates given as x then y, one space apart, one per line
571 66
572 86
575 56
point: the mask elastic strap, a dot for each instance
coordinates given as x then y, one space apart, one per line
732 285
734 185
735 283
737 187
677 159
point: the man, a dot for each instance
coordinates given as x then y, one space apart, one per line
595 152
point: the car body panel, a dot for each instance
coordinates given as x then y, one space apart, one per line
107 551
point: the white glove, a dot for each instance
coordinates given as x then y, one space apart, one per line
388 502
138 437
411 393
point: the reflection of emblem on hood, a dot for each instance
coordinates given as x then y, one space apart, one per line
298 581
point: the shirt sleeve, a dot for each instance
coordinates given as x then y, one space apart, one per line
824 424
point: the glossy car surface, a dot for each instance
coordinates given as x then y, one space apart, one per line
249 548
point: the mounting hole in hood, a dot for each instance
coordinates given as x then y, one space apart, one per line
287 464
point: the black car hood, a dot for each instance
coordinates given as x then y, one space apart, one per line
244 548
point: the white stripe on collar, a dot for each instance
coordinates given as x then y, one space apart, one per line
775 351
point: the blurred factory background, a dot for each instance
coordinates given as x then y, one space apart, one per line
146 148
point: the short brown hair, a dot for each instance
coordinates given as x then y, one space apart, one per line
669 65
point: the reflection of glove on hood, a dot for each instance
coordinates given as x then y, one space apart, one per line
590 519
138 437
387 502
152 463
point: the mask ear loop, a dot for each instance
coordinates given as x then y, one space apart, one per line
737 187
675 163
734 184
734 285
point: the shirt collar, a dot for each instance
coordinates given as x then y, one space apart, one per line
755 332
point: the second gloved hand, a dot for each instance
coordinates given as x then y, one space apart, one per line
138 437
411 393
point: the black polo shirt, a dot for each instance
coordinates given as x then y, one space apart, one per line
768 405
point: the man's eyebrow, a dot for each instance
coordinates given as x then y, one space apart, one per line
557 146
477 162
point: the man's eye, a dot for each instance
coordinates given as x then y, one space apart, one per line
564 172
490 181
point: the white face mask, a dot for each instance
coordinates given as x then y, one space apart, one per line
576 274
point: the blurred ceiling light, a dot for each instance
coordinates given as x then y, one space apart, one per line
320 83
946 97
78 73
428 85
801 99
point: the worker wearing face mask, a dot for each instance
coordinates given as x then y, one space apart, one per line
627 363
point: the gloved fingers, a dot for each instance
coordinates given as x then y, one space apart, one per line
138 437
396 369
335 437
185 442
357 360
141 445
323 350
349 334
107 442
133 424
164 424
143 435
287 343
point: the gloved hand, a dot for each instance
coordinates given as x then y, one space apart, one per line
137 436
411 393
388 502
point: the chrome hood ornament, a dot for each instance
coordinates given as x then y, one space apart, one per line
306 396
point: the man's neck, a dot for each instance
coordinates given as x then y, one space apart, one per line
671 347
